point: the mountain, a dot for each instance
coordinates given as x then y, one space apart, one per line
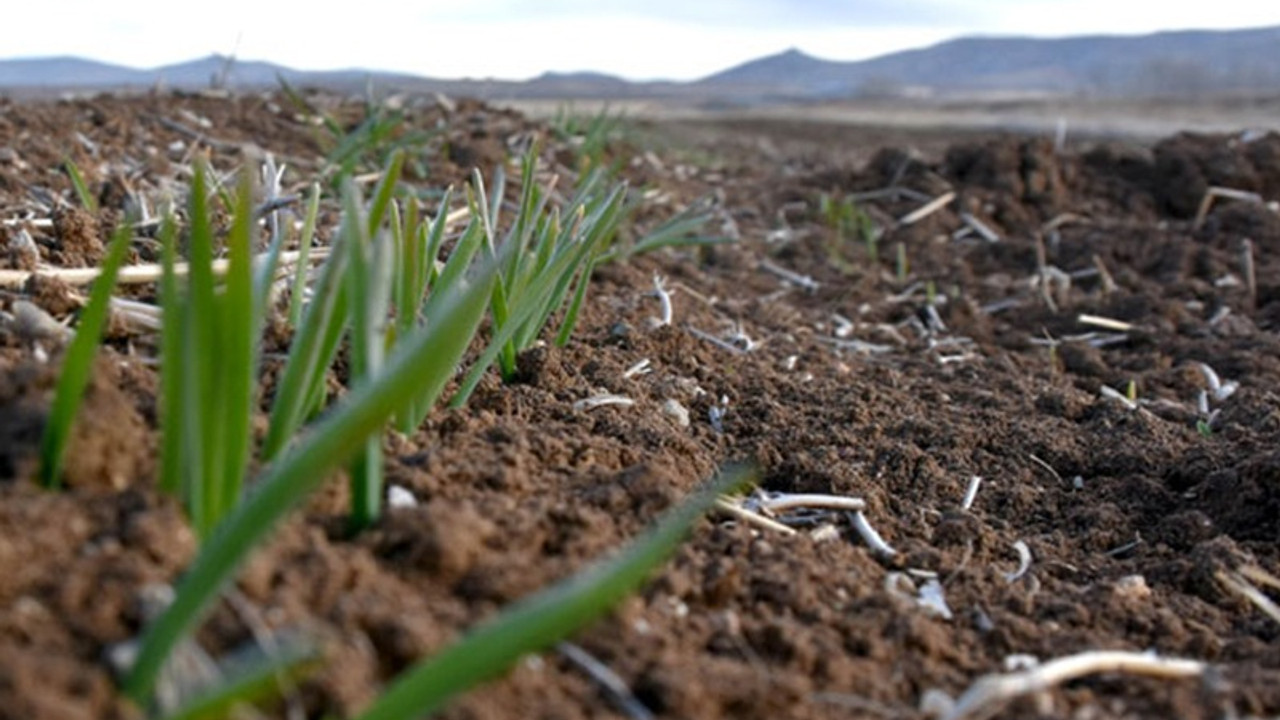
774 70
66 72
1182 62
1171 63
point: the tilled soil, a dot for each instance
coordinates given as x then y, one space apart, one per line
897 381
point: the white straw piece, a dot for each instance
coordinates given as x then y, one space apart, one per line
644 367
135 274
971 493
795 278
927 209
1113 394
870 536
781 503
991 691
1104 322
664 299
596 401
730 507
1024 562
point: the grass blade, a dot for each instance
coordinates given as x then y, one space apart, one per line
533 301
488 213
419 370
681 230
77 365
575 306
310 353
428 277
369 285
238 351
410 287
435 238
87 199
382 194
545 618
173 382
202 398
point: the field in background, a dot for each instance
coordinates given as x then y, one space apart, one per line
1145 120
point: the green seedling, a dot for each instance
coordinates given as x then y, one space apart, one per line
545 259
419 369
368 146
591 137
77 364
682 230
209 360
369 286
1204 427
321 326
846 219
87 200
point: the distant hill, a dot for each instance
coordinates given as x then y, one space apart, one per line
1184 62
79 74
66 72
1172 63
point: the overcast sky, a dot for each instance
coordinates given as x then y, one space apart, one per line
637 39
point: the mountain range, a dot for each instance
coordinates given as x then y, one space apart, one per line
1193 62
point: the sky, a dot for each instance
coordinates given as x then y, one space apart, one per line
509 39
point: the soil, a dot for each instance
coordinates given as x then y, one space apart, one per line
893 384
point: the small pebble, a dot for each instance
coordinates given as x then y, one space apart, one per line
398 497
1134 587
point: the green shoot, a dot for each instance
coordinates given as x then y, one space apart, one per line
86 198
172 398
575 306
545 273
489 214
845 218
545 618
209 360
590 137
418 248
369 287
77 365
418 370
681 230
238 354
870 235
1204 427
195 368
314 345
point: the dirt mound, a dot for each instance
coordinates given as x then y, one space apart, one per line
1056 328
1187 165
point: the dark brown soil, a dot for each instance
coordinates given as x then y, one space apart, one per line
1128 512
